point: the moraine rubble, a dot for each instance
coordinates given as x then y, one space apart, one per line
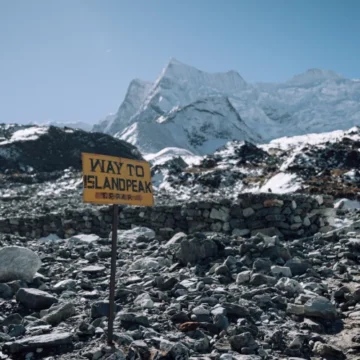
206 295
212 272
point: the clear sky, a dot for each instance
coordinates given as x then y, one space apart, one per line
72 60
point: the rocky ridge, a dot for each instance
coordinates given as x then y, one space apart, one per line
314 164
34 149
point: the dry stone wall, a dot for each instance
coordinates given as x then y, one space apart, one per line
290 216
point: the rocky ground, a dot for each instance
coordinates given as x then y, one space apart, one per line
206 295
201 296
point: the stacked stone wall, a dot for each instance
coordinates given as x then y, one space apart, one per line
290 216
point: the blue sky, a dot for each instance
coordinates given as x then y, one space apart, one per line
72 60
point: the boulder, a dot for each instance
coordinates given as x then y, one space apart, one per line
291 286
328 352
59 313
18 263
195 250
145 301
102 308
241 341
243 277
320 307
281 270
35 299
297 266
33 343
5 292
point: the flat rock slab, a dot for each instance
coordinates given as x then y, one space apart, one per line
85 239
35 299
35 342
93 269
18 263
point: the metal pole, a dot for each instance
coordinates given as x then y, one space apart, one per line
112 276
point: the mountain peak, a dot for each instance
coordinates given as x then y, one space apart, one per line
314 75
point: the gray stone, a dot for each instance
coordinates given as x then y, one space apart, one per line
262 265
245 339
102 308
174 351
281 270
176 239
196 249
306 221
133 234
320 307
5 292
240 232
16 330
146 263
84 239
18 263
35 299
235 310
243 277
297 266
295 309
35 342
130 319
270 231
221 321
222 270
59 314
291 286
328 351
93 269
145 301
200 310
248 212
12 319
68 284
221 214
261 279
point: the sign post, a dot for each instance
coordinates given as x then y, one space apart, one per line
114 180
112 274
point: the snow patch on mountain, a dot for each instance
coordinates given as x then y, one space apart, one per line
312 76
200 127
74 125
169 153
27 134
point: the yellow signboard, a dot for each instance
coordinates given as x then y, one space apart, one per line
114 180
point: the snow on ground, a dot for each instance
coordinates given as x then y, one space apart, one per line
31 133
347 204
169 153
288 143
281 183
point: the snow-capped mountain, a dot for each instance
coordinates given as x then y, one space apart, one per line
197 111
